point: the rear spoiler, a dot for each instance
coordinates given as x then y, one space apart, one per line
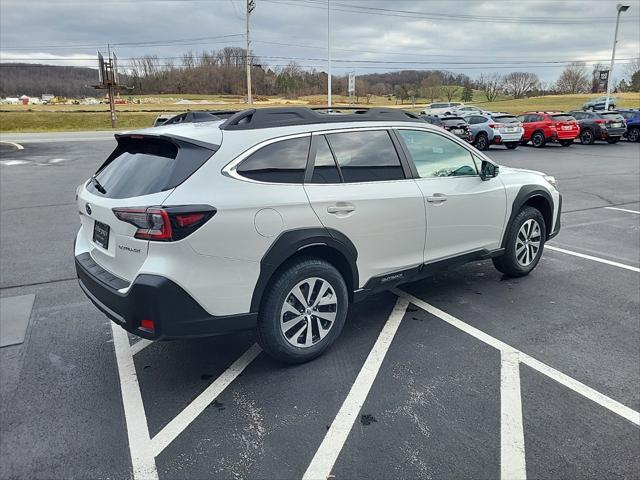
169 137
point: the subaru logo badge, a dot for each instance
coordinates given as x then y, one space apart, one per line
87 207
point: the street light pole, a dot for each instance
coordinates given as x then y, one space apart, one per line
329 52
621 8
250 6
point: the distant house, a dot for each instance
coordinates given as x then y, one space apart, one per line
24 100
47 97
11 100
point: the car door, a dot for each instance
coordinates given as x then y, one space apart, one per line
358 186
526 124
464 213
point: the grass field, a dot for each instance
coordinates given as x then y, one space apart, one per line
39 118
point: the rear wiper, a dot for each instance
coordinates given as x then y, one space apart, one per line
97 184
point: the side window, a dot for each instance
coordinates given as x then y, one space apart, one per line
475 120
522 118
438 156
539 118
366 156
324 167
280 162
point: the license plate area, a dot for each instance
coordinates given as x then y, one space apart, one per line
511 129
101 234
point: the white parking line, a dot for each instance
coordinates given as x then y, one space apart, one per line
623 210
578 387
595 259
327 454
140 345
142 457
176 426
512 456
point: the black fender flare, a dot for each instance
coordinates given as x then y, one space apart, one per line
291 242
526 193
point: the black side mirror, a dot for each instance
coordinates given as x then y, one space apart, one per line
488 170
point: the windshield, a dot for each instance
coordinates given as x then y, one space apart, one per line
506 119
612 116
453 121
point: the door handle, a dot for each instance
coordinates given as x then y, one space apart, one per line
341 208
437 198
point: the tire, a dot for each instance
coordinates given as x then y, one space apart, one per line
591 109
482 141
566 143
611 107
538 140
304 277
613 140
633 135
512 145
587 137
517 262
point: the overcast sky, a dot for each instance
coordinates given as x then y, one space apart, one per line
469 36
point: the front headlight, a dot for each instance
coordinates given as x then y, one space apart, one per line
552 180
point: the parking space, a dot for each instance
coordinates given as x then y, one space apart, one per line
464 375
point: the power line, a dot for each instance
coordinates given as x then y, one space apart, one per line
350 8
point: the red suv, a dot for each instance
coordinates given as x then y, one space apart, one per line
543 127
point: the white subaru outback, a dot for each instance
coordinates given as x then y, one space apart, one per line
276 219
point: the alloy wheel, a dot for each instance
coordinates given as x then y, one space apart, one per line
633 135
528 242
586 137
308 312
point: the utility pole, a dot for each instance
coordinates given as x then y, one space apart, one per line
620 8
329 52
108 80
251 4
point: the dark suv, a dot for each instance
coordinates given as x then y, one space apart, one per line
456 125
632 119
607 126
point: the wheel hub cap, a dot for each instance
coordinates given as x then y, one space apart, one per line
309 312
528 242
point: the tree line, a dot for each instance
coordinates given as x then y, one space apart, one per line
223 72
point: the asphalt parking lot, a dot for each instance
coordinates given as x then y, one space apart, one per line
463 375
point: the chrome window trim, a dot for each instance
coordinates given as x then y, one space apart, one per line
231 168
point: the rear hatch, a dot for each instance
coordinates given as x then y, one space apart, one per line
613 120
141 172
456 125
565 122
507 123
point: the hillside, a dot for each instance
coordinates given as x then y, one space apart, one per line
35 79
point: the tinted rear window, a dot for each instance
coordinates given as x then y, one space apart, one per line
612 116
439 105
563 118
506 119
366 156
280 162
450 122
141 166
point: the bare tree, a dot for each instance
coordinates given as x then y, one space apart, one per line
632 75
450 91
431 86
574 79
490 84
520 84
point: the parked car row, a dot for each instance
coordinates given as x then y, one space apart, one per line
484 129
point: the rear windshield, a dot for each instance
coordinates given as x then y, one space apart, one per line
506 119
145 165
439 105
612 116
452 121
563 118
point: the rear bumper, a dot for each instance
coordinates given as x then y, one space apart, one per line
612 132
566 134
174 312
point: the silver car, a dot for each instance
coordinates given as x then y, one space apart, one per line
494 129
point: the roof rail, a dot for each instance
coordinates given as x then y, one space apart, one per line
253 118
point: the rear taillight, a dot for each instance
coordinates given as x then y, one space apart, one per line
600 121
165 224
496 125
